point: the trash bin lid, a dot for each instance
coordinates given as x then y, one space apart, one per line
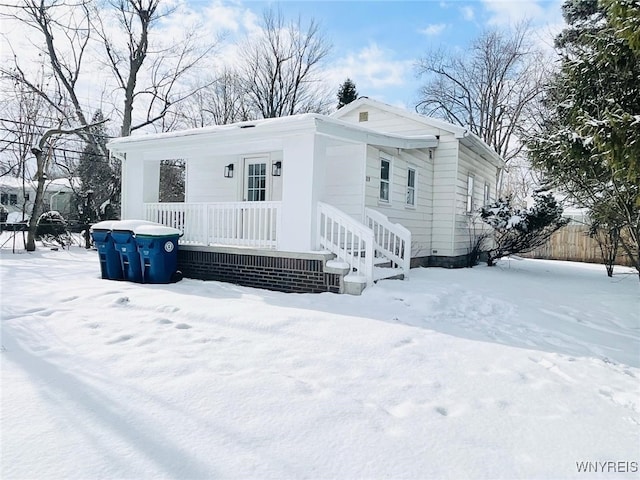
105 225
156 230
129 225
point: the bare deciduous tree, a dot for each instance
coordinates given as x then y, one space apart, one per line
66 30
281 67
489 87
166 64
151 77
43 153
224 101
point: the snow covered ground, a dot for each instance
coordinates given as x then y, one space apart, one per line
524 370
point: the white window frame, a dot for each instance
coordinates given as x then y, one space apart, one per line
470 188
412 188
387 181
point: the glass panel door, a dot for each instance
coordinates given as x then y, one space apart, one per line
256 181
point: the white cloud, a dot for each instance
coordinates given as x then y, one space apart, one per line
433 29
545 17
509 12
370 68
467 12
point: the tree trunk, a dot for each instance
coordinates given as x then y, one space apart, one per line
37 204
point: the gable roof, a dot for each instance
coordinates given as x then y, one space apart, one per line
431 122
463 134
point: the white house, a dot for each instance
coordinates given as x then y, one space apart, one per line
313 202
18 196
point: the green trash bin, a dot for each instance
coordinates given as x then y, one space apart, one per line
158 249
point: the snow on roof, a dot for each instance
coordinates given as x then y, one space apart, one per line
55 185
463 133
217 129
285 126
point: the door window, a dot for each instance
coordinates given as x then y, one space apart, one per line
256 182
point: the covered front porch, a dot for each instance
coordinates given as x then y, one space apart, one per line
291 185
365 252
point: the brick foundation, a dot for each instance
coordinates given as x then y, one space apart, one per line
280 271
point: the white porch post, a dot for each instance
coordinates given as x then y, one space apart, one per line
303 171
140 184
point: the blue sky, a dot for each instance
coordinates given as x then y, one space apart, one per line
376 43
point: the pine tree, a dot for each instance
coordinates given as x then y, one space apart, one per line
347 93
587 146
521 230
95 172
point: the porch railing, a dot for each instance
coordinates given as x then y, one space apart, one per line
392 240
252 224
348 239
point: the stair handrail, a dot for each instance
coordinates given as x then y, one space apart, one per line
347 238
392 240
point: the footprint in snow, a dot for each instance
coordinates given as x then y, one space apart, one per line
38 310
122 301
163 321
167 309
405 342
120 339
183 326
442 411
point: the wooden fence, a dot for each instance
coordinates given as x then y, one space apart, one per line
573 243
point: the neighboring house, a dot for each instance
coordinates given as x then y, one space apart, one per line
18 196
313 202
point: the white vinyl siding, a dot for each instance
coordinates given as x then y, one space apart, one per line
203 172
419 219
445 165
344 178
469 162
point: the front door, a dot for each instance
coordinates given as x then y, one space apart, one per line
255 180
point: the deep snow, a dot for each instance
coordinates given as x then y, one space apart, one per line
516 371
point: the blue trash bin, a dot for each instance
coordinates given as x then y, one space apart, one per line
158 248
110 266
123 236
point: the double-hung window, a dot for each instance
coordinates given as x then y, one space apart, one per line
469 194
385 176
411 187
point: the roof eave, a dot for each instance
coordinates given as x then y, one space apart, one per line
355 133
484 150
